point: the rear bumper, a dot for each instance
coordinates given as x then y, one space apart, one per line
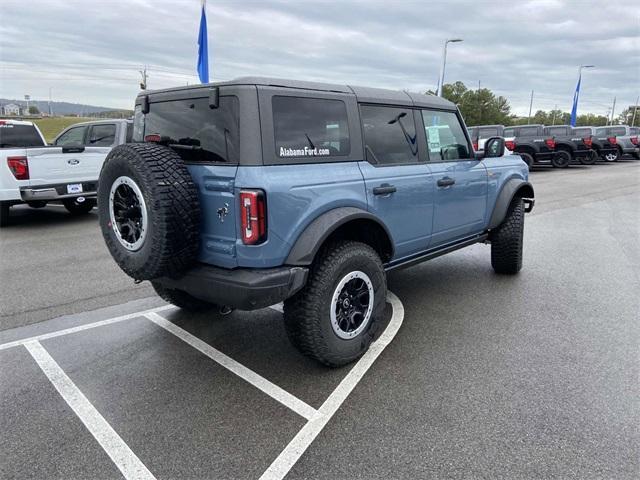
630 150
57 191
245 289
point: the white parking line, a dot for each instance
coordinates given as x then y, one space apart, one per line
80 328
294 450
271 389
126 461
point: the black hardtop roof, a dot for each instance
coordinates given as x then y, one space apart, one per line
364 94
487 126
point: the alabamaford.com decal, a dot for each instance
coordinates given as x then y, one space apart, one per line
303 152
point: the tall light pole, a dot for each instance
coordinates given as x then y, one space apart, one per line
574 109
444 63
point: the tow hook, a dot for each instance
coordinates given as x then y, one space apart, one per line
225 310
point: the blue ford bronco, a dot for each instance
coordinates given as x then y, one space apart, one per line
246 193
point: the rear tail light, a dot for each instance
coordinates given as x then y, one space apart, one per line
253 216
152 138
475 146
634 140
510 144
612 140
19 166
551 143
588 141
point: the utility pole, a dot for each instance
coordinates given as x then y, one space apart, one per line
635 110
613 109
27 98
143 83
50 111
530 106
554 114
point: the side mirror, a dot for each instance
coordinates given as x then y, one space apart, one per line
494 147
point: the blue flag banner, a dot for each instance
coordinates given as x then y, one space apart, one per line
203 48
574 110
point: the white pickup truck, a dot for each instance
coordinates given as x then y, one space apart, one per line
67 171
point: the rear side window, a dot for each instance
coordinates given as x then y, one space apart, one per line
310 127
582 131
73 136
389 135
601 131
19 136
509 132
445 137
488 132
102 135
195 131
556 130
618 131
634 131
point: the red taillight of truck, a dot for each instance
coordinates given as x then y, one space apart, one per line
551 143
588 141
19 166
253 216
510 144
634 140
612 140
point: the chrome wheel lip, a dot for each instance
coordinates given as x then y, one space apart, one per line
124 180
335 325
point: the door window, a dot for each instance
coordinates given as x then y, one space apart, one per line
445 137
509 132
310 127
556 131
618 131
601 131
102 135
489 132
73 136
524 131
389 135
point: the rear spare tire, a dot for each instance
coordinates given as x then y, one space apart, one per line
149 211
74 207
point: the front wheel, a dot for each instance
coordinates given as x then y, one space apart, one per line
75 207
590 159
561 159
507 240
334 318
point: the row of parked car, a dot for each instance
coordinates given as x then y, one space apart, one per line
561 145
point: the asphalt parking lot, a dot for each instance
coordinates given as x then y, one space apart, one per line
534 376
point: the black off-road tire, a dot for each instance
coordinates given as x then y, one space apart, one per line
75 208
507 240
561 159
527 158
182 299
590 159
307 315
4 213
171 240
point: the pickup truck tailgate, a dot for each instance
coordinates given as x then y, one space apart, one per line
56 165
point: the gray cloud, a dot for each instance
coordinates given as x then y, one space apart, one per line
91 52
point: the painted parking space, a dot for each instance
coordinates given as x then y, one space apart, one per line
159 401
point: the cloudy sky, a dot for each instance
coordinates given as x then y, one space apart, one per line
91 51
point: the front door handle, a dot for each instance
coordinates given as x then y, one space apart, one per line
446 182
384 189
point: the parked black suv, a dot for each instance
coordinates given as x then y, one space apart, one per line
535 146
578 147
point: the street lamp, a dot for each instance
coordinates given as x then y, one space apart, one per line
574 109
444 63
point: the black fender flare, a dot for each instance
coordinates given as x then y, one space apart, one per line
567 146
314 235
510 189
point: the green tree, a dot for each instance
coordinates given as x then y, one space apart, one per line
33 110
478 107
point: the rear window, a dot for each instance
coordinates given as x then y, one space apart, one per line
489 132
618 131
528 131
19 136
102 135
582 131
310 127
195 131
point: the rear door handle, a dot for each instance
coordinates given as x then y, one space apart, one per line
384 189
446 182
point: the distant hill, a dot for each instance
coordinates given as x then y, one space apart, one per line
66 108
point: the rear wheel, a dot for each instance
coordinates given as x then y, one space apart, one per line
590 159
611 156
507 240
4 213
334 318
182 299
79 208
561 159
